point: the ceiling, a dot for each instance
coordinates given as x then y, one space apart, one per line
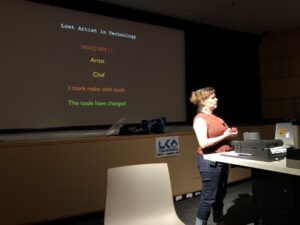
250 16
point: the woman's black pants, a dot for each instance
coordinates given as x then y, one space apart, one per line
214 177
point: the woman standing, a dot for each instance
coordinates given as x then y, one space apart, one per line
213 136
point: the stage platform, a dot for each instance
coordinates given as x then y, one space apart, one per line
68 134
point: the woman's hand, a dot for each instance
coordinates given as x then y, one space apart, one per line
231 132
234 131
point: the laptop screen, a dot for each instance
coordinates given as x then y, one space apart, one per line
284 131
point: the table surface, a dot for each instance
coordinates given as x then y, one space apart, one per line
233 158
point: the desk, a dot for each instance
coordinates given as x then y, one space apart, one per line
234 159
275 188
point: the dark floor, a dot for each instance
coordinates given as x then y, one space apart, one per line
238 206
238 209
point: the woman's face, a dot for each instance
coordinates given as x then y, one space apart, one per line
211 102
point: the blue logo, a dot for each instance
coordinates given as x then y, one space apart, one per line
167 146
169 143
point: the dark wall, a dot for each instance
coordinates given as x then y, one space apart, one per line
225 59
229 61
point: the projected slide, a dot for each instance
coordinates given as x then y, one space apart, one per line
66 68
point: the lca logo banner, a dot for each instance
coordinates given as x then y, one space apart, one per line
167 146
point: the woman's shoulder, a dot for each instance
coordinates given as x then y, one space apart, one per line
200 116
199 121
208 117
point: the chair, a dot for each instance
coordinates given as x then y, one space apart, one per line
140 195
